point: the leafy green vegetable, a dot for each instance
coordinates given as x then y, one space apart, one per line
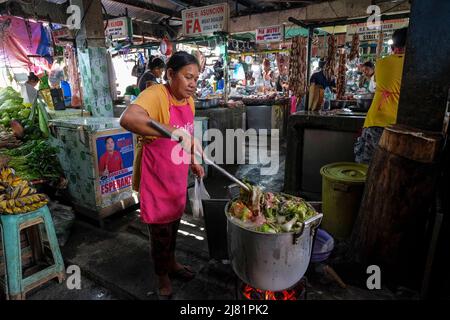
272 213
35 159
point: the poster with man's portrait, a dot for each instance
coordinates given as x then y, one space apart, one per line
115 161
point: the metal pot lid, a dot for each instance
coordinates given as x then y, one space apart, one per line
345 172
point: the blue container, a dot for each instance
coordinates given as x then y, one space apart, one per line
65 86
221 84
323 246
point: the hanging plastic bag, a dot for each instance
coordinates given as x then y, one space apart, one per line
196 196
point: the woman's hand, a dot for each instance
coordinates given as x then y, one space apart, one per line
198 170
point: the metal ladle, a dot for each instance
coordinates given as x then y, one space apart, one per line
166 133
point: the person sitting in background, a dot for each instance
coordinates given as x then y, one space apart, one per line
28 89
384 107
368 70
151 76
318 83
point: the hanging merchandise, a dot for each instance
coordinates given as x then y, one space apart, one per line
297 67
44 90
56 75
201 59
329 69
380 44
354 52
341 81
282 63
26 45
166 47
74 76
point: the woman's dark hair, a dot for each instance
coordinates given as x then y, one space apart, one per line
399 38
33 77
179 60
154 63
322 64
369 64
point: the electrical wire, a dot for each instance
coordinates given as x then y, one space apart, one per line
395 6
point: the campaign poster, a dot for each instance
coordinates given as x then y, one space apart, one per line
115 155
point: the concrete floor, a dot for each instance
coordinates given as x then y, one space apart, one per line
115 261
115 264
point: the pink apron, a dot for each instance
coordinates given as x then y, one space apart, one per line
164 183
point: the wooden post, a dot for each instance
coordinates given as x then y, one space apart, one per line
391 226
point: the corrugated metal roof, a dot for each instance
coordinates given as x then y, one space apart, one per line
115 8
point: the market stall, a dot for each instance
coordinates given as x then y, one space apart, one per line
328 124
345 46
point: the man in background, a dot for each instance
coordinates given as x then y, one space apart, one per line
111 160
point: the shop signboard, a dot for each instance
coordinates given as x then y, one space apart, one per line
115 155
60 34
119 28
270 34
205 20
367 33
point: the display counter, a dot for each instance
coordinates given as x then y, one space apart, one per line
97 156
68 113
315 139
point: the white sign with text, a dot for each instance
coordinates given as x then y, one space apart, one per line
205 20
368 32
118 28
270 34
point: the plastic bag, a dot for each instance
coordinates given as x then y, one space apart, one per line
196 196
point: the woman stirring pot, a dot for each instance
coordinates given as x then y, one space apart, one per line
163 179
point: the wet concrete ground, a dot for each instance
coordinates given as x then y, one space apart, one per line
115 261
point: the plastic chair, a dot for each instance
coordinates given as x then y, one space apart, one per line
14 284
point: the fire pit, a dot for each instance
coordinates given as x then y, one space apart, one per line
297 292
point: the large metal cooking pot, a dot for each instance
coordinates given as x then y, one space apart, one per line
267 261
364 101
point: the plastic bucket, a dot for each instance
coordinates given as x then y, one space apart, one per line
323 246
342 190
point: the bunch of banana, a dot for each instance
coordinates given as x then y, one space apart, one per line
7 175
17 196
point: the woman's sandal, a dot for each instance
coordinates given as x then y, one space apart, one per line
185 273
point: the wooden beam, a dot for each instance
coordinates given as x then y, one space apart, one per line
425 84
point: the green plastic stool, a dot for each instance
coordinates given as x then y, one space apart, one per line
10 226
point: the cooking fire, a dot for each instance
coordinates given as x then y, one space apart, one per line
297 292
